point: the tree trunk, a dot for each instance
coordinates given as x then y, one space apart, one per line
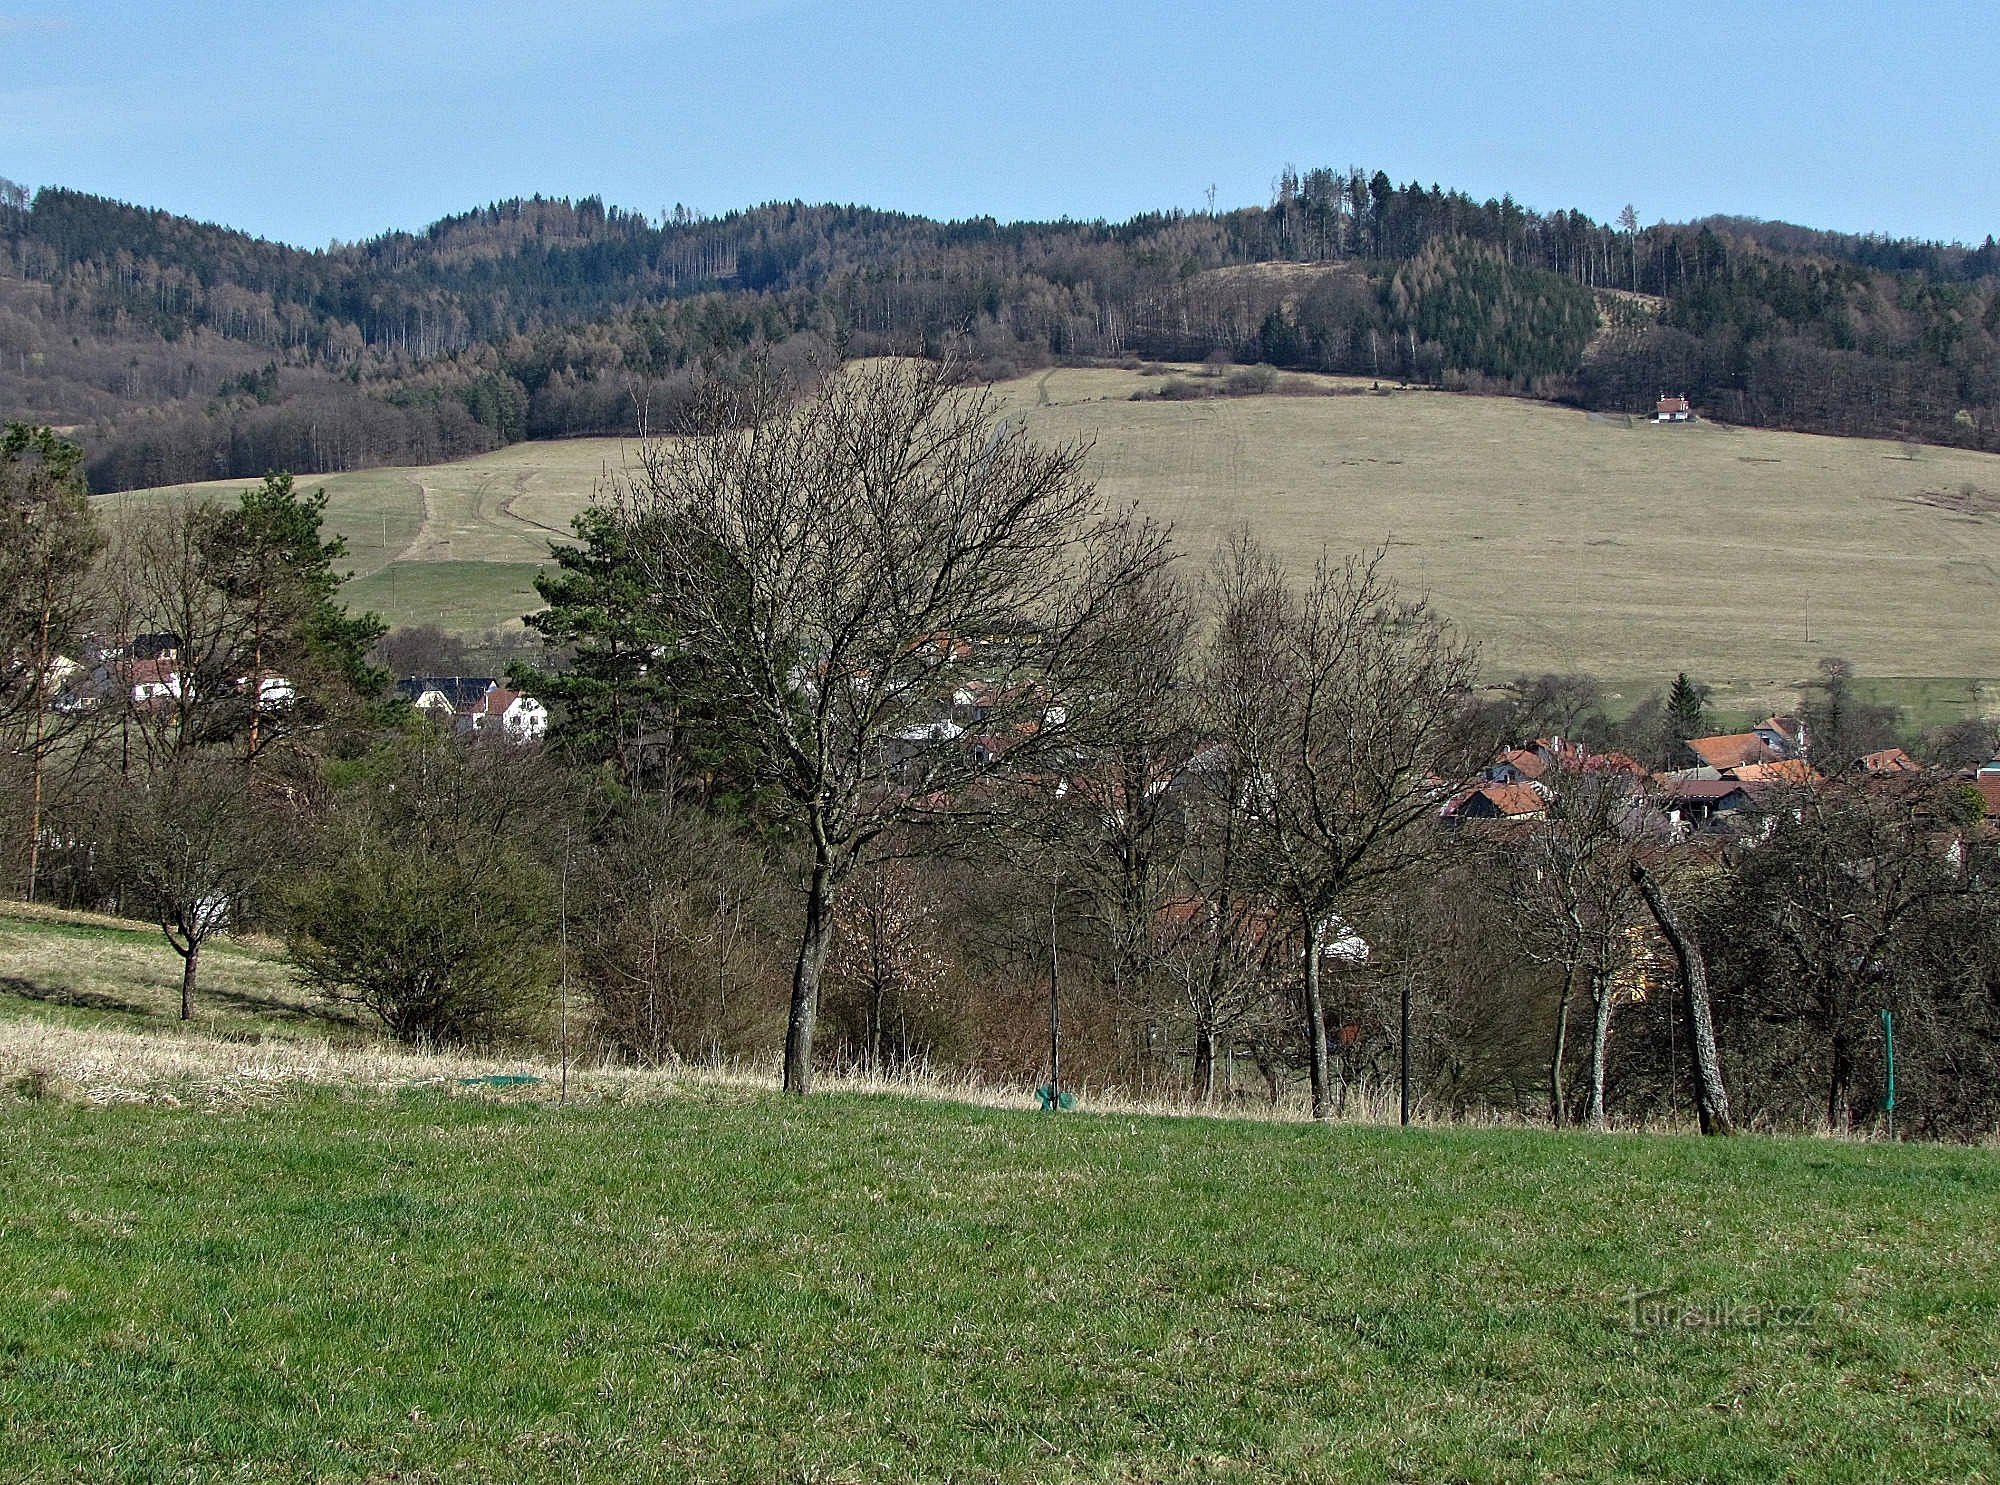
875 1001
805 980
1602 994
36 759
1561 1048
1711 1098
1055 1004
1204 1063
189 962
1322 1107
1837 1120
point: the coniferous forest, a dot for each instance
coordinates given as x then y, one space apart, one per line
182 351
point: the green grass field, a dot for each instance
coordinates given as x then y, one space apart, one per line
428 1287
402 1277
1560 540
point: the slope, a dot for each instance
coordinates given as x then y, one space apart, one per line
1560 540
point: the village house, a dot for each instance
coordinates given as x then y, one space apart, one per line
1517 766
443 697
505 714
1783 735
1707 805
476 706
1672 410
1783 771
1522 801
1259 923
1887 761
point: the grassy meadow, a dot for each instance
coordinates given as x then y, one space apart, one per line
1561 540
245 1254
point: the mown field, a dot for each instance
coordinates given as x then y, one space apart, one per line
412 1278
1561 540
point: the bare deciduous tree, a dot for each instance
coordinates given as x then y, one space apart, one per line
1349 705
826 556
192 848
1576 905
1711 1094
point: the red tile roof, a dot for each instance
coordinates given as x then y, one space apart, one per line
1530 765
1614 762
1692 791
1508 801
1889 760
1732 749
1784 771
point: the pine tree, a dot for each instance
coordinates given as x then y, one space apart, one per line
268 559
609 695
620 689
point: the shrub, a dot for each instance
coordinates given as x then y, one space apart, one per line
429 907
1250 381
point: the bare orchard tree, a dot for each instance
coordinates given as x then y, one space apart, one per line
1114 838
1352 713
189 848
1834 911
834 559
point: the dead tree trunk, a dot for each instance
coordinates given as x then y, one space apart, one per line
1711 1098
1204 1062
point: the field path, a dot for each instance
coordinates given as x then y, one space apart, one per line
521 492
430 544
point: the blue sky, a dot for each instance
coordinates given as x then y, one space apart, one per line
308 121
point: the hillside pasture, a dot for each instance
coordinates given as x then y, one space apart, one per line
1559 539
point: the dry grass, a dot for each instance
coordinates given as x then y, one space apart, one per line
101 1065
88 1008
1560 541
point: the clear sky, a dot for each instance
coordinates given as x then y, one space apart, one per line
306 121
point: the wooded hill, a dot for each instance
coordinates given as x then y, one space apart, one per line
180 350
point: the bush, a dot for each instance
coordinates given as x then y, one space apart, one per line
429 907
1250 381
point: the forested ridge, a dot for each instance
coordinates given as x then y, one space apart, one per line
181 350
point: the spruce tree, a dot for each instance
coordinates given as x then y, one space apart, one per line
1687 711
